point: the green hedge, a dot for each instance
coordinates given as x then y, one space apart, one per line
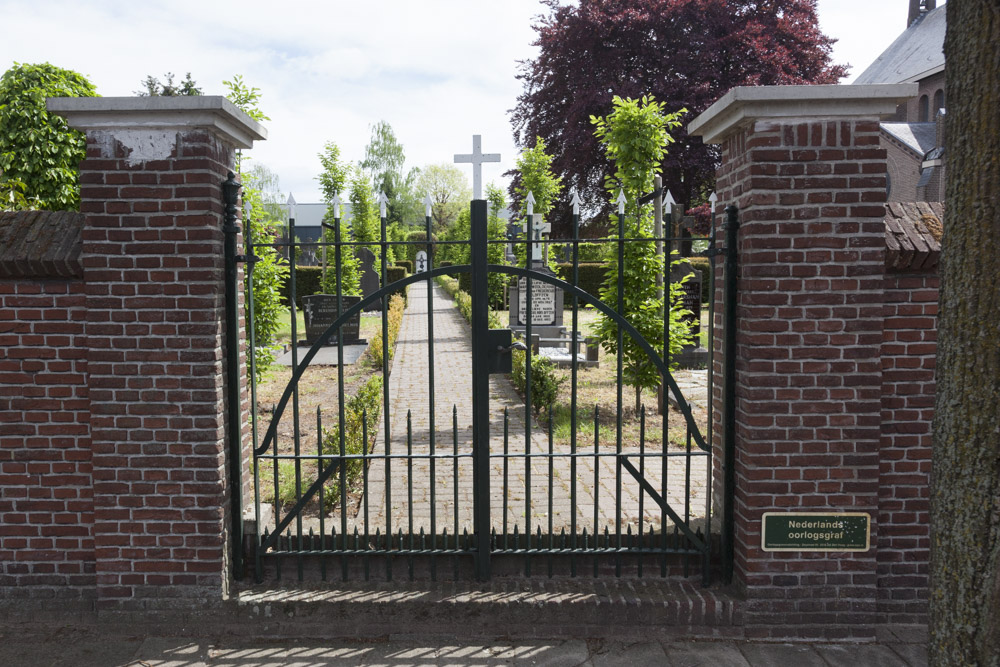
307 282
406 264
395 273
415 238
589 252
591 276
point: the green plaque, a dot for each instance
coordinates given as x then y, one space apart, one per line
801 531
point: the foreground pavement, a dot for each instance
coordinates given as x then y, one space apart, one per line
81 648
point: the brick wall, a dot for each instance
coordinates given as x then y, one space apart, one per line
811 256
908 355
113 448
46 504
153 263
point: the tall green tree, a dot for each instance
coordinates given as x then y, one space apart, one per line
39 153
259 194
333 182
448 189
534 168
383 163
635 136
534 175
965 479
365 219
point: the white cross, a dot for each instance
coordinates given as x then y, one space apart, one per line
534 225
477 158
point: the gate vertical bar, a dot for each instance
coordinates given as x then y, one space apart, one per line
230 191
731 226
480 389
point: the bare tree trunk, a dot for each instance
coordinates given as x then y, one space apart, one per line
965 494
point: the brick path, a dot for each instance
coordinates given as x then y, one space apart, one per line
409 391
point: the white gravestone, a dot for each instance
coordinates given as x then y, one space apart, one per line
421 266
543 303
534 228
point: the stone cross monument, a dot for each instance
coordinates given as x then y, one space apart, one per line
477 158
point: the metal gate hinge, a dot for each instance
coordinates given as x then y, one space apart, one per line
249 259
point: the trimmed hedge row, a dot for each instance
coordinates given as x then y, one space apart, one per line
591 276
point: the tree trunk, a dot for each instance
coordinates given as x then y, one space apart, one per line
965 493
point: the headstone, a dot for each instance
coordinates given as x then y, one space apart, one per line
693 355
421 266
370 282
533 229
546 306
320 312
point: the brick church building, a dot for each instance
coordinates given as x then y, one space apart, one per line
914 138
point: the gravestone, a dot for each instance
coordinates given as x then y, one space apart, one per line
692 355
421 262
320 311
546 303
370 281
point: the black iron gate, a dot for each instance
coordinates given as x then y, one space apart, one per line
662 496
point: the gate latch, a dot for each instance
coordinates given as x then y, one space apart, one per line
499 348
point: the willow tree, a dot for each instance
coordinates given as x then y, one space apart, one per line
965 493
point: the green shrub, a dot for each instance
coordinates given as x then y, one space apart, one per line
589 252
395 273
307 282
366 405
417 241
406 264
395 318
464 302
591 277
545 383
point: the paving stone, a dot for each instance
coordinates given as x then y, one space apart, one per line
628 653
847 655
781 655
707 654
915 655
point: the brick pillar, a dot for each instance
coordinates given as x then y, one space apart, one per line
153 265
804 166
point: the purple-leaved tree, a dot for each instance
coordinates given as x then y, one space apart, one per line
687 53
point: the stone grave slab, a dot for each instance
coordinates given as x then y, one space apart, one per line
320 312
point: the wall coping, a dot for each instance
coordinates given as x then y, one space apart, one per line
186 112
744 104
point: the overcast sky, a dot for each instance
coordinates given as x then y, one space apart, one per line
438 71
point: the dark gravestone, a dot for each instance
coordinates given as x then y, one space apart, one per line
693 355
370 282
320 311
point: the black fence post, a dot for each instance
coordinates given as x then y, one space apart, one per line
731 226
230 193
480 389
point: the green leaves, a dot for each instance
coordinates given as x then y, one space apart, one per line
537 178
37 150
635 137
